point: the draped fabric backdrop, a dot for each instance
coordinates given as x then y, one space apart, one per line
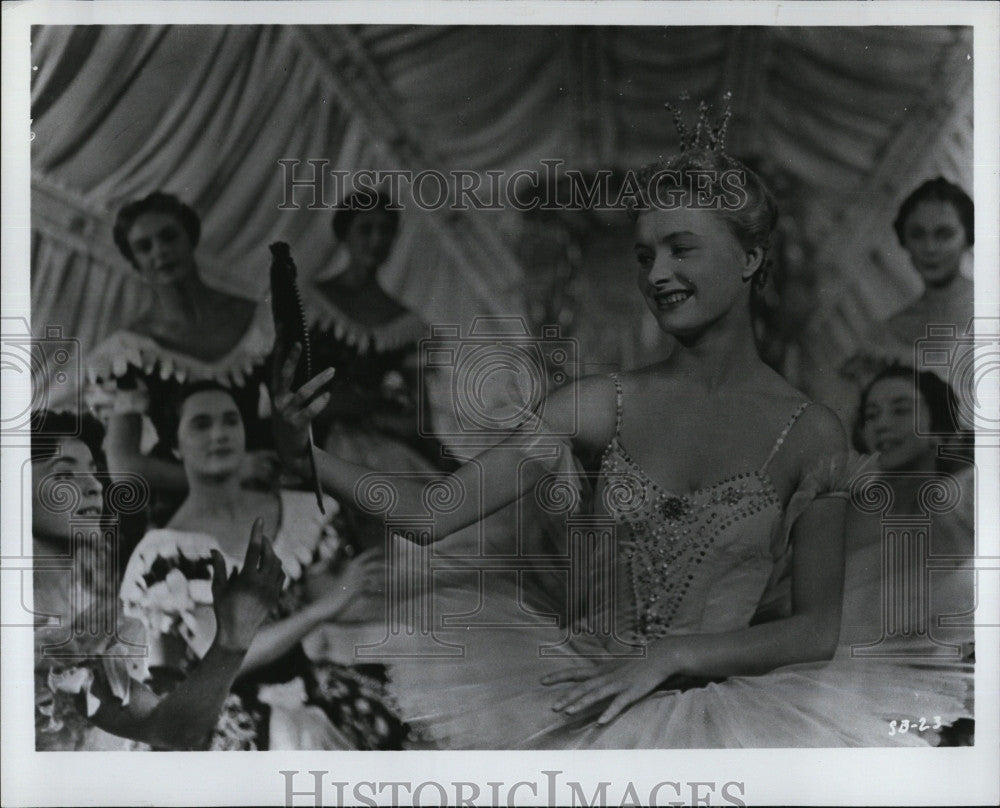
852 118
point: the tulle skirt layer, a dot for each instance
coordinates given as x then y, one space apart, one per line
489 695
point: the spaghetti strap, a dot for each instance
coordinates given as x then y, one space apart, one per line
618 404
784 433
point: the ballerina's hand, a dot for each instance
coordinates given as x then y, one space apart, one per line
294 410
260 468
351 586
624 682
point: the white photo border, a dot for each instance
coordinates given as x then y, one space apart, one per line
787 776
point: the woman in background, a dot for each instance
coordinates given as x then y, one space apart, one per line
908 425
84 696
936 227
191 331
283 699
371 339
908 418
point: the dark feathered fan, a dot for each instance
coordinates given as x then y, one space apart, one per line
290 327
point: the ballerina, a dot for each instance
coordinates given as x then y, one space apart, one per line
735 484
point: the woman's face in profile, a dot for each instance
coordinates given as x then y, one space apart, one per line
935 240
891 426
370 238
210 436
70 476
161 247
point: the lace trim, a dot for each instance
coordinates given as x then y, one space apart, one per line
126 349
324 315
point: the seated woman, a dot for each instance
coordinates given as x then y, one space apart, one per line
935 226
191 331
371 339
890 409
283 699
84 697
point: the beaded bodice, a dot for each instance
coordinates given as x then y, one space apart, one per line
691 563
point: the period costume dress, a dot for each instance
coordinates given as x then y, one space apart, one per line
145 376
696 563
375 355
896 340
291 703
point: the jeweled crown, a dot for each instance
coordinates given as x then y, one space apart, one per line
707 135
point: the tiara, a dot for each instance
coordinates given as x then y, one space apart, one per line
707 135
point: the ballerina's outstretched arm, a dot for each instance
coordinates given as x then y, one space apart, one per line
511 475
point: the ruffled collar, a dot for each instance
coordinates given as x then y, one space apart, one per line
126 349
302 535
324 315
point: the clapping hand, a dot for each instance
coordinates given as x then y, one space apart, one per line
243 600
294 410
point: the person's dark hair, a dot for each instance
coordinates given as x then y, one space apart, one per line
939 190
156 202
193 388
752 222
942 403
175 403
361 202
49 429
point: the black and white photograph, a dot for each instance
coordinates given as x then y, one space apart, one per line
571 403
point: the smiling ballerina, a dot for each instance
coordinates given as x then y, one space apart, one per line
736 482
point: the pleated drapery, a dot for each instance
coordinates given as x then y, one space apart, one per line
206 112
